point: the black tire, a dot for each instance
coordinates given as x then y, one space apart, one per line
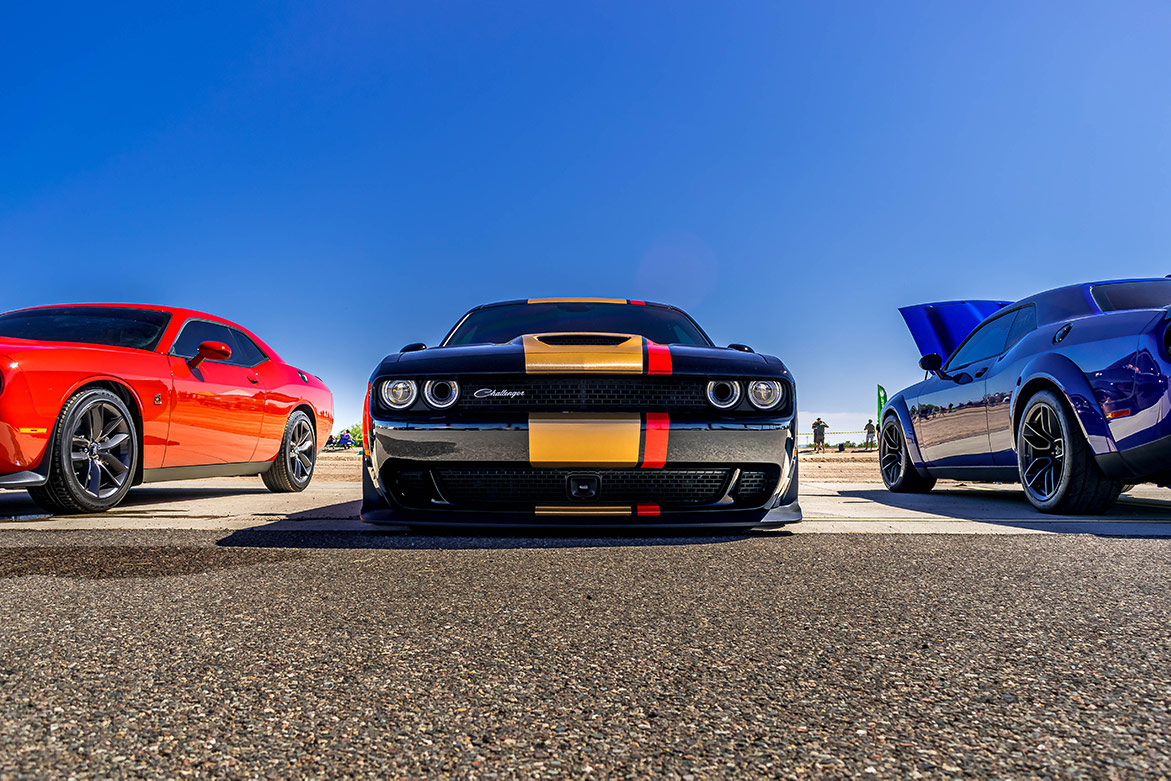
293 468
94 455
894 461
1057 468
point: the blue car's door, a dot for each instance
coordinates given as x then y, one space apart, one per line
950 414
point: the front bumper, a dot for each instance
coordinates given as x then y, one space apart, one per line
429 453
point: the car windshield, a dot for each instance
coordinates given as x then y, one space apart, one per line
505 322
1116 296
107 325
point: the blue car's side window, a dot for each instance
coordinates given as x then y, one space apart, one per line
987 341
1025 324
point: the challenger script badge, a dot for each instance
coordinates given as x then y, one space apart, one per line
490 393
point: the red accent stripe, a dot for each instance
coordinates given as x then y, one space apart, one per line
647 509
656 430
658 358
639 303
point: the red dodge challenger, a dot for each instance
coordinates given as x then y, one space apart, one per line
96 398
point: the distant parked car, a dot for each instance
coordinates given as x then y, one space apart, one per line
580 412
1067 392
96 398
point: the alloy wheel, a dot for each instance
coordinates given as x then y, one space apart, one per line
301 451
890 454
1043 452
101 450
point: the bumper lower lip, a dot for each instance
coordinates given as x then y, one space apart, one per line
696 521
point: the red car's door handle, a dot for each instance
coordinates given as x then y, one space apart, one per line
254 380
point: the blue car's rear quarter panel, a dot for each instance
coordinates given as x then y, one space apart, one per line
1111 362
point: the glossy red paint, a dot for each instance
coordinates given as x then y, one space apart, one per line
217 413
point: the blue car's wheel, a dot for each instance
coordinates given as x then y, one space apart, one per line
898 473
1056 466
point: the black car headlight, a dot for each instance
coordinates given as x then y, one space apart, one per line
723 394
441 394
765 394
399 394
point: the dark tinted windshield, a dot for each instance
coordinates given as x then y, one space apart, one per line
1152 294
500 324
108 325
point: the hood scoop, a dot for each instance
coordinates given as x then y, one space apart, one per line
571 353
586 340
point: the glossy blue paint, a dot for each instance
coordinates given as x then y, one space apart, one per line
941 327
1111 367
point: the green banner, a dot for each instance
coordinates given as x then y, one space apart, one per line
881 401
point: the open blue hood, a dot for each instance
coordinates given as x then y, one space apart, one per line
942 326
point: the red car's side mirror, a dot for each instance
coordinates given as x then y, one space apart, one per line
210 351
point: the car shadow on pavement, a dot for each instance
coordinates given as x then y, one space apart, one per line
1130 517
337 526
439 539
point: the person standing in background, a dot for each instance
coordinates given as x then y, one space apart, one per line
869 433
819 427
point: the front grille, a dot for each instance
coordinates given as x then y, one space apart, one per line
594 340
527 487
568 394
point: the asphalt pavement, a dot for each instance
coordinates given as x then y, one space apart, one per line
295 645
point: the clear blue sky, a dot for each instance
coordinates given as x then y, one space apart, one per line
345 178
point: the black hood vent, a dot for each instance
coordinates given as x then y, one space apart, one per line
594 340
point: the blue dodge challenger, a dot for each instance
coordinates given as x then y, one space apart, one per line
1066 392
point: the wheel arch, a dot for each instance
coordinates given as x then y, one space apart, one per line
1059 374
132 402
897 407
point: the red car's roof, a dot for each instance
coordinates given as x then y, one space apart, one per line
178 312
179 315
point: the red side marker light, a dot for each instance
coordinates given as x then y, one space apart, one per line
1118 413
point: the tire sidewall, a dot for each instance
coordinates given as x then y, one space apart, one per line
63 453
1048 399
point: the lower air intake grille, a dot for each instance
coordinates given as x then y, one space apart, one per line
527 487
750 484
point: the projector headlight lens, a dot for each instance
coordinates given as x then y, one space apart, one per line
723 394
441 394
399 394
765 394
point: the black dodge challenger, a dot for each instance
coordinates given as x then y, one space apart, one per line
598 413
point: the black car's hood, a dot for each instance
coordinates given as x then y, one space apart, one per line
520 356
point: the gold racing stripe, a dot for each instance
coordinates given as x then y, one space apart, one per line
584 510
608 440
577 301
624 358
